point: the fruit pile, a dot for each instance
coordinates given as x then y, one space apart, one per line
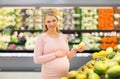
89 18
108 41
104 64
19 18
21 41
105 20
92 41
7 18
68 18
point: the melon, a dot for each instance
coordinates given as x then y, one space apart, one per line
114 71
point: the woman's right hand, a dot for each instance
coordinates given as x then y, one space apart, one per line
61 53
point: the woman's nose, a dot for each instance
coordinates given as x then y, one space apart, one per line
52 23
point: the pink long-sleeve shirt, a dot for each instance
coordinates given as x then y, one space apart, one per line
44 53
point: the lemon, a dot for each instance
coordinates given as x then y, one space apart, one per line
81 44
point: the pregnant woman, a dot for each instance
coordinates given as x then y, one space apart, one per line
52 50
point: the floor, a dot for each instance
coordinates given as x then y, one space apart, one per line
20 75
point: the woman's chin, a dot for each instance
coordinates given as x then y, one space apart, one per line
52 29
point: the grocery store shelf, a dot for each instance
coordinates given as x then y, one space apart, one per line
23 63
85 31
8 54
20 75
16 51
83 54
28 30
16 54
70 31
59 3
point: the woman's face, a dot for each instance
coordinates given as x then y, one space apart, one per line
51 22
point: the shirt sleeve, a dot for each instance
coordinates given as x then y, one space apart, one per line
39 57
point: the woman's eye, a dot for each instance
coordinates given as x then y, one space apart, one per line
54 20
48 21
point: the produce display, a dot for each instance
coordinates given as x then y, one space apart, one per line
108 41
68 18
92 42
7 18
30 40
15 20
105 20
104 64
18 18
3 45
89 18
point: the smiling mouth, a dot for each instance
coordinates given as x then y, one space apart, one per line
52 27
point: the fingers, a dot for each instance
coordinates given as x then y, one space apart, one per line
82 49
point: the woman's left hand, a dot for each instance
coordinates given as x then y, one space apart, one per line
81 49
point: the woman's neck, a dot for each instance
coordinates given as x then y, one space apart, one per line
53 33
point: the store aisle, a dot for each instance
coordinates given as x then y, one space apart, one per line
20 75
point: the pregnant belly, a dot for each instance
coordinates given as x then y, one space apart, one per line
58 66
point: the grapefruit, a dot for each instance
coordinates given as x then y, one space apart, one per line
100 67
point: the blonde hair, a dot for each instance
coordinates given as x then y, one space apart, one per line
44 17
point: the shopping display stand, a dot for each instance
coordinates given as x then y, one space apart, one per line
23 60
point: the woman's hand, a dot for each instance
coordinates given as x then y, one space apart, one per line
81 49
61 53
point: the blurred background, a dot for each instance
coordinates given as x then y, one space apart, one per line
95 22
